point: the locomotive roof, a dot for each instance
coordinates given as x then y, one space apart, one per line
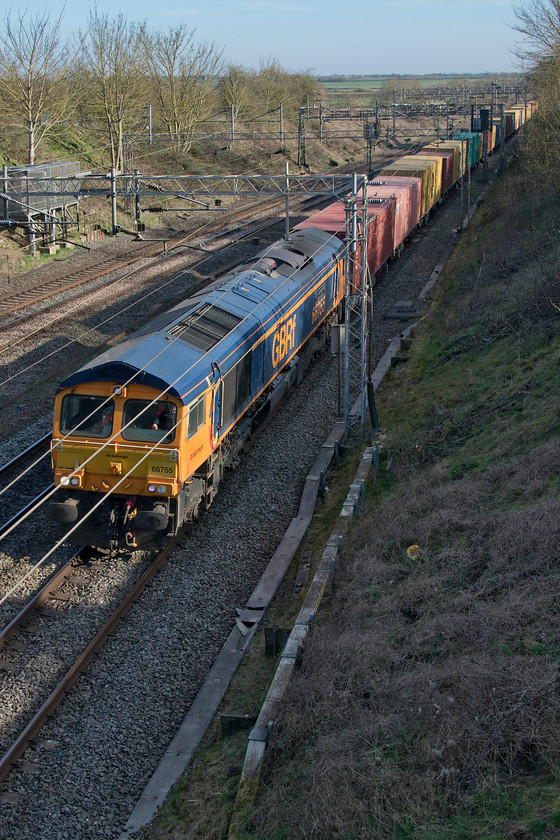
175 352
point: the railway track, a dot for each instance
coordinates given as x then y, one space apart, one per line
68 575
18 461
22 512
174 259
27 297
161 249
19 478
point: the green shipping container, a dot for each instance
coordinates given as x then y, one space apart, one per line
474 153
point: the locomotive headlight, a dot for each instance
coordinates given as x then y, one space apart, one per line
151 488
75 481
161 488
65 481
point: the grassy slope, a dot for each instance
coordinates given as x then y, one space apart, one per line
428 702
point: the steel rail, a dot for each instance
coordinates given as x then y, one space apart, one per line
172 250
46 592
50 288
21 513
20 300
37 445
57 695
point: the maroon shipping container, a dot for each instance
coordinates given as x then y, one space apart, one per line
446 167
510 126
331 219
408 197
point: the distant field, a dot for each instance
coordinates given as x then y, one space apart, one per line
368 84
365 91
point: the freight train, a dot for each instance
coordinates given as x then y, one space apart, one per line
142 434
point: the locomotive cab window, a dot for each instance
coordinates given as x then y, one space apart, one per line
196 417
86 416
149 423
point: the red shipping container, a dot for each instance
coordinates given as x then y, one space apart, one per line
381 216
408 198
486 143
380 229
331 219
446 167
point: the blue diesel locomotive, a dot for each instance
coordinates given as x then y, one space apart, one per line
143 433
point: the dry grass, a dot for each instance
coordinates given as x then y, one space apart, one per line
436 677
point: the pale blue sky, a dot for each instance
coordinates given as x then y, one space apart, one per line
331 36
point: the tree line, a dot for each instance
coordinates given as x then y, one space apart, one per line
103 78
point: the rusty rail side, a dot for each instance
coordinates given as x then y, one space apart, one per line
57 695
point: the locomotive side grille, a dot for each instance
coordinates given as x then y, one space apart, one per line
205 327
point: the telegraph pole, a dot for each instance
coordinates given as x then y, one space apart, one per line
5 188
502 165
148 117
287 229
137 199
301 138
113 179
357 308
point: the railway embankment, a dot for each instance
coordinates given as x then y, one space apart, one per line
426 701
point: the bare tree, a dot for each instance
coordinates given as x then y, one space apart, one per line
182 74
34 70
271 83
539 22
113 58
236 90
301 87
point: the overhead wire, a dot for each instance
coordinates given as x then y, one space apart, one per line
68 344
105 444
